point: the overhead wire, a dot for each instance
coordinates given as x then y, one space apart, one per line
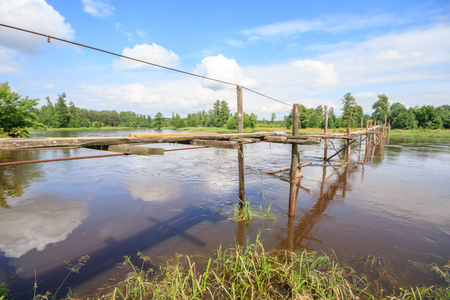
49 37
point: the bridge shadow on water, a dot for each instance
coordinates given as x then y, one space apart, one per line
112 254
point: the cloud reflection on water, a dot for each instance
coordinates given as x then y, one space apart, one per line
149 191
35 224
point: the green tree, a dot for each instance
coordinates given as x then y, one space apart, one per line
427 117
404 120
177 121
16 113
250 121
62 111
348 104
444 113
232 123
332 120
224 114
219 115
401 118
381 108
273 117
158 121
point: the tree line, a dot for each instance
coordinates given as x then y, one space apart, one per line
19 113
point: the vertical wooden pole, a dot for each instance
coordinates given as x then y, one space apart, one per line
325 131
241 174
360 140
367 141
373 133
294 163
347 142
290 239
240 108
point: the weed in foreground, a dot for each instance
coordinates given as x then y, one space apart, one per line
250 272
248 212
72 269
244 272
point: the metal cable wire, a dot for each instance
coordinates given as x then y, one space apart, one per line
49 37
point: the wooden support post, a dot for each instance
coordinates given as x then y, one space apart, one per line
240 111
360 140
290 238
367 141
241 175
325 131
347 142
374 138
294 163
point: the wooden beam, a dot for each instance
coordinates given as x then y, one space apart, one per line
131 149
246 140
17 143
141 135
215 144
299 166
337 153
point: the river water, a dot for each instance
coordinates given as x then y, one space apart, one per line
395 206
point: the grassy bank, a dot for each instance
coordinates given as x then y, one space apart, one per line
251 272
80 129
438 133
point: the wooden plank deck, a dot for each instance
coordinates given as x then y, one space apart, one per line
197 139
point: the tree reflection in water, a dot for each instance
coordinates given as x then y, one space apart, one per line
15 179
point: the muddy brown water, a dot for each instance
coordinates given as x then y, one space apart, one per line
396 206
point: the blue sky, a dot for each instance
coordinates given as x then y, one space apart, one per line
307 52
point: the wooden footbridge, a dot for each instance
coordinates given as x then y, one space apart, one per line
131 145
127 145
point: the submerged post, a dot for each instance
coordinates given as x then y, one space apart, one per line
240 112
347 143
294 162
367 141
325 131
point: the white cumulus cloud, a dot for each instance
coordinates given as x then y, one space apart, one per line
225 69
97 8
398 55
364 95
326 75
35 15
153 53
8 61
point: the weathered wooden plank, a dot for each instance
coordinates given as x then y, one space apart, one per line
15 143
276 138
143 135
215 144
131 149
303 142
246 140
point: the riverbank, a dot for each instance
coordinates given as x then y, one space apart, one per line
250 272
437 133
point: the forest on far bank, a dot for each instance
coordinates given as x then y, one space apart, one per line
19 113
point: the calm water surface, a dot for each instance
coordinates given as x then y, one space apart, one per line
396 206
